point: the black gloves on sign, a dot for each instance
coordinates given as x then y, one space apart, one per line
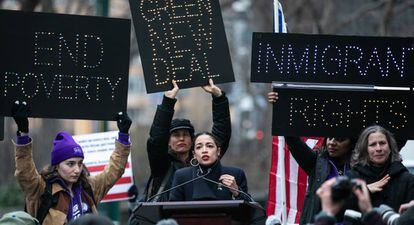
123 122
21 112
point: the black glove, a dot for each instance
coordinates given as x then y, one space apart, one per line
20 113
132 193
124 122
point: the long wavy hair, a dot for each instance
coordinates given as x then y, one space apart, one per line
215 140
360 153
190 151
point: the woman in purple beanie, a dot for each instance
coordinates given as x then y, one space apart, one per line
64 191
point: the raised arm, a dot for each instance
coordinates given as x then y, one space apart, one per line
157 143
304 156
221 115
26 174
104 181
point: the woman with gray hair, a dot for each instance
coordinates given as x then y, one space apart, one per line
375 158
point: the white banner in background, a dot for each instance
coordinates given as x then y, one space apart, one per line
97 148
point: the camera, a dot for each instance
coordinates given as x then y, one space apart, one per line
388 215
342 188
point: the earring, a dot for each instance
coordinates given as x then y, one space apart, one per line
194 163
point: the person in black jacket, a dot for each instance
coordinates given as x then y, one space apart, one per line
170 141
331 160
376 155
207 179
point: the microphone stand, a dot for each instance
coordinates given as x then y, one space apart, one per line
234 189
182 184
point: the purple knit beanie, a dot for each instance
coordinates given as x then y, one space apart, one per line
64 147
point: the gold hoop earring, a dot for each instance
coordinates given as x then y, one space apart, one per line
196 163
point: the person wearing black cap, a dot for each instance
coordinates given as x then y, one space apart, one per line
170 142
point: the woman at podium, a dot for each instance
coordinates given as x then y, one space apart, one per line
207 179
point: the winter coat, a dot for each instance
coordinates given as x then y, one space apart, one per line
163 163
317 166
201 189
399 190
33 184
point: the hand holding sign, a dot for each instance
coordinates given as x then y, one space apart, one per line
123 122
21 112
173 92
212 89
272 96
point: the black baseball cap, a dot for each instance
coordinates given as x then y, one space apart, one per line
178 124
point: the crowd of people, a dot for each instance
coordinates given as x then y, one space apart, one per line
346 174
373 160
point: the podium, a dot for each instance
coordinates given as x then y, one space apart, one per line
231 212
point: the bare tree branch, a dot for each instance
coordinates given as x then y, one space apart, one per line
316 25
29 5
358 14
383 28
404 6
48 6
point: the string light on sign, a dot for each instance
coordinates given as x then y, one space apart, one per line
180 33
340 112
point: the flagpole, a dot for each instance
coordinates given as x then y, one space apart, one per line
278 28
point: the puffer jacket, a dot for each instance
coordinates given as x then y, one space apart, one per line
163 164
33 185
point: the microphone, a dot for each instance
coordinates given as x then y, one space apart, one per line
199 176
220 185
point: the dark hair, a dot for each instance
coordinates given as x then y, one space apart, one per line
352 142
209 134
360 153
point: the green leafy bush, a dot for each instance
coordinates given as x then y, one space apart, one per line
11 196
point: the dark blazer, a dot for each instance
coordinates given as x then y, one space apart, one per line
160 160
202 189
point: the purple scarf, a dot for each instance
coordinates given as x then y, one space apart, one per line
75 207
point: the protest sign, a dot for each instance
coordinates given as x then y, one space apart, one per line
183 41
335 113
305 58
64 66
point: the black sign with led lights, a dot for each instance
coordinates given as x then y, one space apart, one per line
183 41
386 61
64 66
341 113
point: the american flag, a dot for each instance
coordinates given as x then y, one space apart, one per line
287 181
